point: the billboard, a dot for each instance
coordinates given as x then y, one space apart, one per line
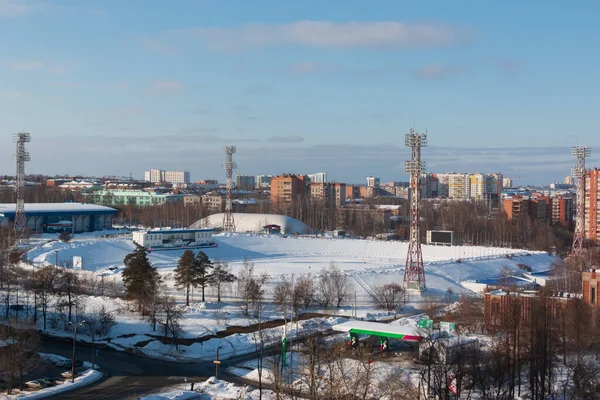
440 237
77 262
448 327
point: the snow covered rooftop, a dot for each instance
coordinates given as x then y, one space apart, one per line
379 329
254 222
9 209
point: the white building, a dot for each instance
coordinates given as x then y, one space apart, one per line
373 181
174 238
159 176
319 177
263 181
507 183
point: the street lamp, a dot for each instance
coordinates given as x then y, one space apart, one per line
75 326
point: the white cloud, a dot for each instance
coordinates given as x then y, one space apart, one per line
12 8
26 65
14 94
436 71
167 86
305 66
386 34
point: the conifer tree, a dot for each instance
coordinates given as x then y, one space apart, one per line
140 278
202 266
186 274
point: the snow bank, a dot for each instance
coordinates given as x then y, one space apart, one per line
86 378
212 388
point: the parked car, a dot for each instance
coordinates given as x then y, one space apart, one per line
66 374
67 363
48 381
36 384
63 362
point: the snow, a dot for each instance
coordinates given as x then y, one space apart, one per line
212 388
55 207
254 222
85 378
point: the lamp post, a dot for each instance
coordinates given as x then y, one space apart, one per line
56 257
75 326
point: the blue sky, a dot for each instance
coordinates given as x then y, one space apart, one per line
117 87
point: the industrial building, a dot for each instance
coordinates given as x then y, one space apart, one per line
157 239
57 217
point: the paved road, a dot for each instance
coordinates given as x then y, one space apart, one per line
129 376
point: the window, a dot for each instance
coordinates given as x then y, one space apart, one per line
593 295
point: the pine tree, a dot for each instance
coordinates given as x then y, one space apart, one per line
202 265
220 276
140 278
185 274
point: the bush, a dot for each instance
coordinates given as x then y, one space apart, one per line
65 236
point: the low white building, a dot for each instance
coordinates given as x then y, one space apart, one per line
174 238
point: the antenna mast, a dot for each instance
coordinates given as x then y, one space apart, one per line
414 272
579 152
229 165
21 156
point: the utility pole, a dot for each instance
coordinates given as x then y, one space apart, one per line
21 156
414 271
229 165
579 152
75 326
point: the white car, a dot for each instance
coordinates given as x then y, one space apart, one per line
36 384
65 362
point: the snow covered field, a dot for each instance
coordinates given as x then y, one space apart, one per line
368 262
211 389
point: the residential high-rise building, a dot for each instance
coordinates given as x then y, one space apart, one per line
569 180
373 181
562 211
319 177
160 176
507 182
332 193
592 203
516 206
352 191
288 189
263 181
540 208
245 182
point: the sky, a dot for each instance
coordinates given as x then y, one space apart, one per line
118 87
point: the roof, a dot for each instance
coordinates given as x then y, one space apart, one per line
254 222
166 230
56 208
379 329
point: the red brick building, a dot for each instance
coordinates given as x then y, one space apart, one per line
591 285
287 189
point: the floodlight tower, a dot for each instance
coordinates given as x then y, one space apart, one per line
21 156
414 272
229 165
579 152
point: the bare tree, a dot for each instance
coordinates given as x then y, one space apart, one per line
389 296
170 319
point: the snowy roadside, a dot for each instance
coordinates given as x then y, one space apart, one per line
212 388
85 378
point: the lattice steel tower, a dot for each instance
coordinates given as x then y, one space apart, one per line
579 152
414 272
21 156
230 165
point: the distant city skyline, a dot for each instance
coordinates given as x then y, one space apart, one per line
107 87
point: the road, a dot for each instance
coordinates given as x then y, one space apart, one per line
130 376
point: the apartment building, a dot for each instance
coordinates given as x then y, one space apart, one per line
592 202
591 286
540 208
160 176
319 177
288 188
516 206
373 181
263 181
331 193
213 202
562 211
353 191
507 183
245 182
